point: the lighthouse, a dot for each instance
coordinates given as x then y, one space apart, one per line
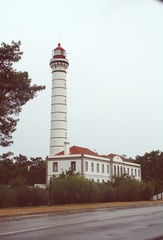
58 131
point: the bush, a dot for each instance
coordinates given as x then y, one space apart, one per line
69 189
148 190
22 196
18 182
7 197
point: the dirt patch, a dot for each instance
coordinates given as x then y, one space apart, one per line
9 212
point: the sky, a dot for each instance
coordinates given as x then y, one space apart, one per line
114 79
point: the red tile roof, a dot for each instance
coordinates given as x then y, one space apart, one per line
79 150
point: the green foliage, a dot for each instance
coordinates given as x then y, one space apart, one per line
127 188
70 189
36 171
76 189
68 173
7 197
6 168
22 196
15 91
33 170
151 165
148 190
18 182
31 197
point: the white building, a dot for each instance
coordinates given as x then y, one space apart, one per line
91 165
88 163
121 165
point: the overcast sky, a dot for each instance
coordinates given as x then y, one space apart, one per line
114 79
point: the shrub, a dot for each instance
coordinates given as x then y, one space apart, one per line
22 196
148 190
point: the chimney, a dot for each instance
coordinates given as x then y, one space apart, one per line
66 148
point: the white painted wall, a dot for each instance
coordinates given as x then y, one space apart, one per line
64 163
132 169
58 131
97 176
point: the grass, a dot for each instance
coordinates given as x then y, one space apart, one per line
11 212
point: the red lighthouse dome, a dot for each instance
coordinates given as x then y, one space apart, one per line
59 52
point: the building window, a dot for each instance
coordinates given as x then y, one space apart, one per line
86 166
102 168
98 181
97 167
115 171
128 172
92 167
135 173
55 166
73 166
131 171
138 172
118 171
107 168
121 170
124 170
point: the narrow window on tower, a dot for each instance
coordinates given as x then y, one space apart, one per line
73 166
55 166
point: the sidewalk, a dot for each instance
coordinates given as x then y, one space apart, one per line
13 212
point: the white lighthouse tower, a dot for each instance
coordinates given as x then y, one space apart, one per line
58 132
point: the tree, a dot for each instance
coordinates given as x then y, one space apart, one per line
16 167
7 168
37 171
68 173
15 91
18 182
151 165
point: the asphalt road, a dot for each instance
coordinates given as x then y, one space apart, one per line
141 223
